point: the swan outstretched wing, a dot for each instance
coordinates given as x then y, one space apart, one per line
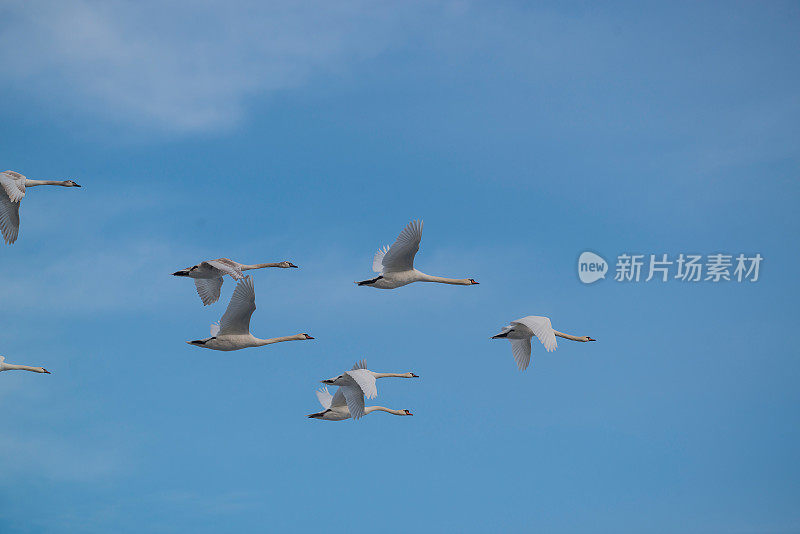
236 319
226 266
9 218
521 349
324 397
355 400
541 328
208 289
364 380
338 399
362 364
400 256
377 261
214 329
14 185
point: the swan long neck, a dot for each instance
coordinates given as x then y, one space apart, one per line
34 183
370 409
270 341
570 336
392 375
442 280
259 266
12 367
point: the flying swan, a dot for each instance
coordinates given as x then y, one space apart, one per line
359 382
335 407
11 367
13 185
395 264
233 330
521 331
208 275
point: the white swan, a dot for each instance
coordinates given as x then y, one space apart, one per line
13 185
359 382
521 331
11 367
395 264
233 330
208 275
335 407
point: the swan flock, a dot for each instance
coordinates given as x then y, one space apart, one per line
393 264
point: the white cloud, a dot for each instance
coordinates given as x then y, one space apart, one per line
186 65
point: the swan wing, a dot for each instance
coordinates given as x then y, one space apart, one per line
226 266
214 329
208 289
400 256
236 319
359 365
541 328
365 381
9 218
324 397
338 399
377 261
521 349
355 400
14 185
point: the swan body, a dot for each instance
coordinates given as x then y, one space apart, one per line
233 330
13 186
359 382
395 264
11 367
521 331
335 407
208 275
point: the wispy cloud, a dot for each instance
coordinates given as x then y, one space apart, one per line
183 66
112 276
55 457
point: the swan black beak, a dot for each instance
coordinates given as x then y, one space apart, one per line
414 376
46 371
590 339
293 266
179 273
499 336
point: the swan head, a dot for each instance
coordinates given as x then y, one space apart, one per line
69 183
587 338
472 282
406 412
183 272
305 336
43 370
287 265
411 375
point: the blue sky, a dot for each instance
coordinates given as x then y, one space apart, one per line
523 135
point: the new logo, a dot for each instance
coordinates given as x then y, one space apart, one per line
591 267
